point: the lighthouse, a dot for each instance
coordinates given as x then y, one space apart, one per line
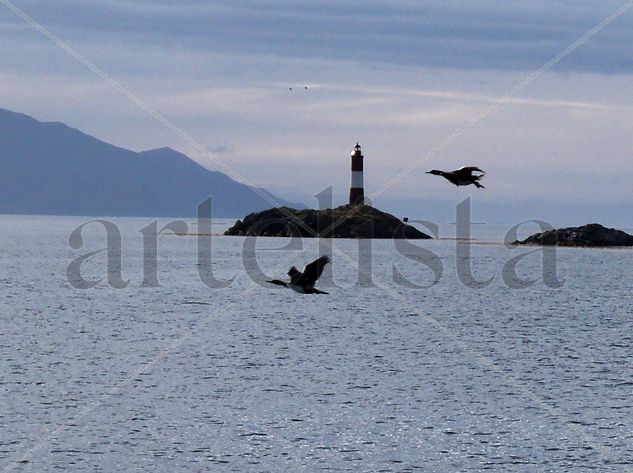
356 192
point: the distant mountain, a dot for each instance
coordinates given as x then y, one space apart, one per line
52 169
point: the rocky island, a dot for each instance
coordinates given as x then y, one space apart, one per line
346 221
591 235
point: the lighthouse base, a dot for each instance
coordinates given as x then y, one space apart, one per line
356 196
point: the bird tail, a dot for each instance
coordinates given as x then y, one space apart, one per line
316 291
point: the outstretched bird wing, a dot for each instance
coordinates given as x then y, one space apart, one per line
468 170
278 282
313 271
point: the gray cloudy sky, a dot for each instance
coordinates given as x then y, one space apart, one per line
397 76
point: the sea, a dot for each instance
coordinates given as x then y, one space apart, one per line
125 350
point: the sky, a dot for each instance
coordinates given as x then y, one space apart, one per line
398 77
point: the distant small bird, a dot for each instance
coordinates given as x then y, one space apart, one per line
463 176
290 88
303 281
305 87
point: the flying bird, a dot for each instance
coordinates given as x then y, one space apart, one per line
303 281
463 176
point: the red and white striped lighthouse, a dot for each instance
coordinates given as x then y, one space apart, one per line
356 192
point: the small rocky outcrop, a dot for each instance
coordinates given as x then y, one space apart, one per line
346 221
593 235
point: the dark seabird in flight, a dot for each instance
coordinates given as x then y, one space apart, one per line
463 176
303 281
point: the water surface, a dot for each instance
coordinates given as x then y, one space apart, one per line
377 376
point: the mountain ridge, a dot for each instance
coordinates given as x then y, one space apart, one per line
50 168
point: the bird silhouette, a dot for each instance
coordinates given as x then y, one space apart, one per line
463 176
303 281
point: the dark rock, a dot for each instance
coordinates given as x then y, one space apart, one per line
592 234
342 222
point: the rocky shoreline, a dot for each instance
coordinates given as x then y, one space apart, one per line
346 221
591 235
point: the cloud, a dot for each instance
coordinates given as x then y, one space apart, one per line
488 34
222 148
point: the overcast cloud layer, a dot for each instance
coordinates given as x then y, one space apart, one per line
500 34
397 76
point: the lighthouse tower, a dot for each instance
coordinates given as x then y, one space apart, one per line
356 192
